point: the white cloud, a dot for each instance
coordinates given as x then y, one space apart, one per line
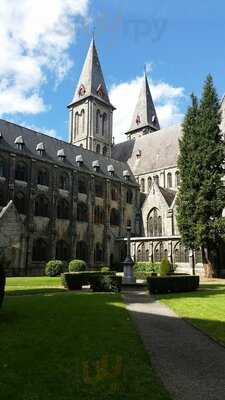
124 97
35 37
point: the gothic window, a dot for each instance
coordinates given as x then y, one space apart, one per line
41 207
114 217
149 183
177 178
62 250
104 151
82 212
98 148
63 209
82 184
158 252
20 203
142 185
99 188
104 120
129 196
198 256
138 120
156 179
97 121
21 173
99 215
181 254
114 193
154 223
40 250
98 252
82 251
77 123
64 182
169 180
42 177
82 120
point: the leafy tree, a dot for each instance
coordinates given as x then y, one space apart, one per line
201 198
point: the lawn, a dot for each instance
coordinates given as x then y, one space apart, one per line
31 285
68 346
204 308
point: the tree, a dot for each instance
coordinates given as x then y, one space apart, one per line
201 198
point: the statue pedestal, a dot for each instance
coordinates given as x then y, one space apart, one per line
128 273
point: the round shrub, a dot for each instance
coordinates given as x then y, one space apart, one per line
54 267
2 284
77 266
164 267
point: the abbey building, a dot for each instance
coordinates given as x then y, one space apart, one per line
74 200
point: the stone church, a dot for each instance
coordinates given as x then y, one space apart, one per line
75 200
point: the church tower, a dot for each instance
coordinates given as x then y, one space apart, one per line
144 119
91 112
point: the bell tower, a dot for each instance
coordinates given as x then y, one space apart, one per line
91 113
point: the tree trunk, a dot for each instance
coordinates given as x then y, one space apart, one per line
208 262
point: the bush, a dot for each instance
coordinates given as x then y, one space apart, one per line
172 283
106 283
77 266
75 280
143 269
165 267
54 267
105 269
2 284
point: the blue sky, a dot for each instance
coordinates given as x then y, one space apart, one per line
44 46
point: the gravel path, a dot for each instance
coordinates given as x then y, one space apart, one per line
191 365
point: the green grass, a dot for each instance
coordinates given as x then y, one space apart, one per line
32 285
72 346
204 308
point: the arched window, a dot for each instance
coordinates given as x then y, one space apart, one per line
62 250
42 177
82 212
149 183
181 254
99 215
40 250
64 182
98 252
82 251
114 192
129 196
104 151
177 175
82 184
82 120
41 207
154 223
114 217
77 123
97 121
142 185
98 148
156 179
20 203
104 120
169 180
99 190
158 252
63 209
21 173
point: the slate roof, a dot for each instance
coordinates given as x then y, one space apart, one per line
92 78
168 195
157 150
11 131
144 114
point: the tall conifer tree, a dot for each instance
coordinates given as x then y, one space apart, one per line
202 196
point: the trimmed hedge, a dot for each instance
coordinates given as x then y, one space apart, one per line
144 269
2 284
106 283
172 283
77 266
75 280
54 267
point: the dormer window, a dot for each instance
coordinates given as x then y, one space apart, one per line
96 165
40 148
100 90
61 155
79 160
111 170
138 155
19 143
138 119
126 175
82 90
153 118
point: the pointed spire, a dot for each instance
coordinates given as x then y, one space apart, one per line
145 114
91 82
